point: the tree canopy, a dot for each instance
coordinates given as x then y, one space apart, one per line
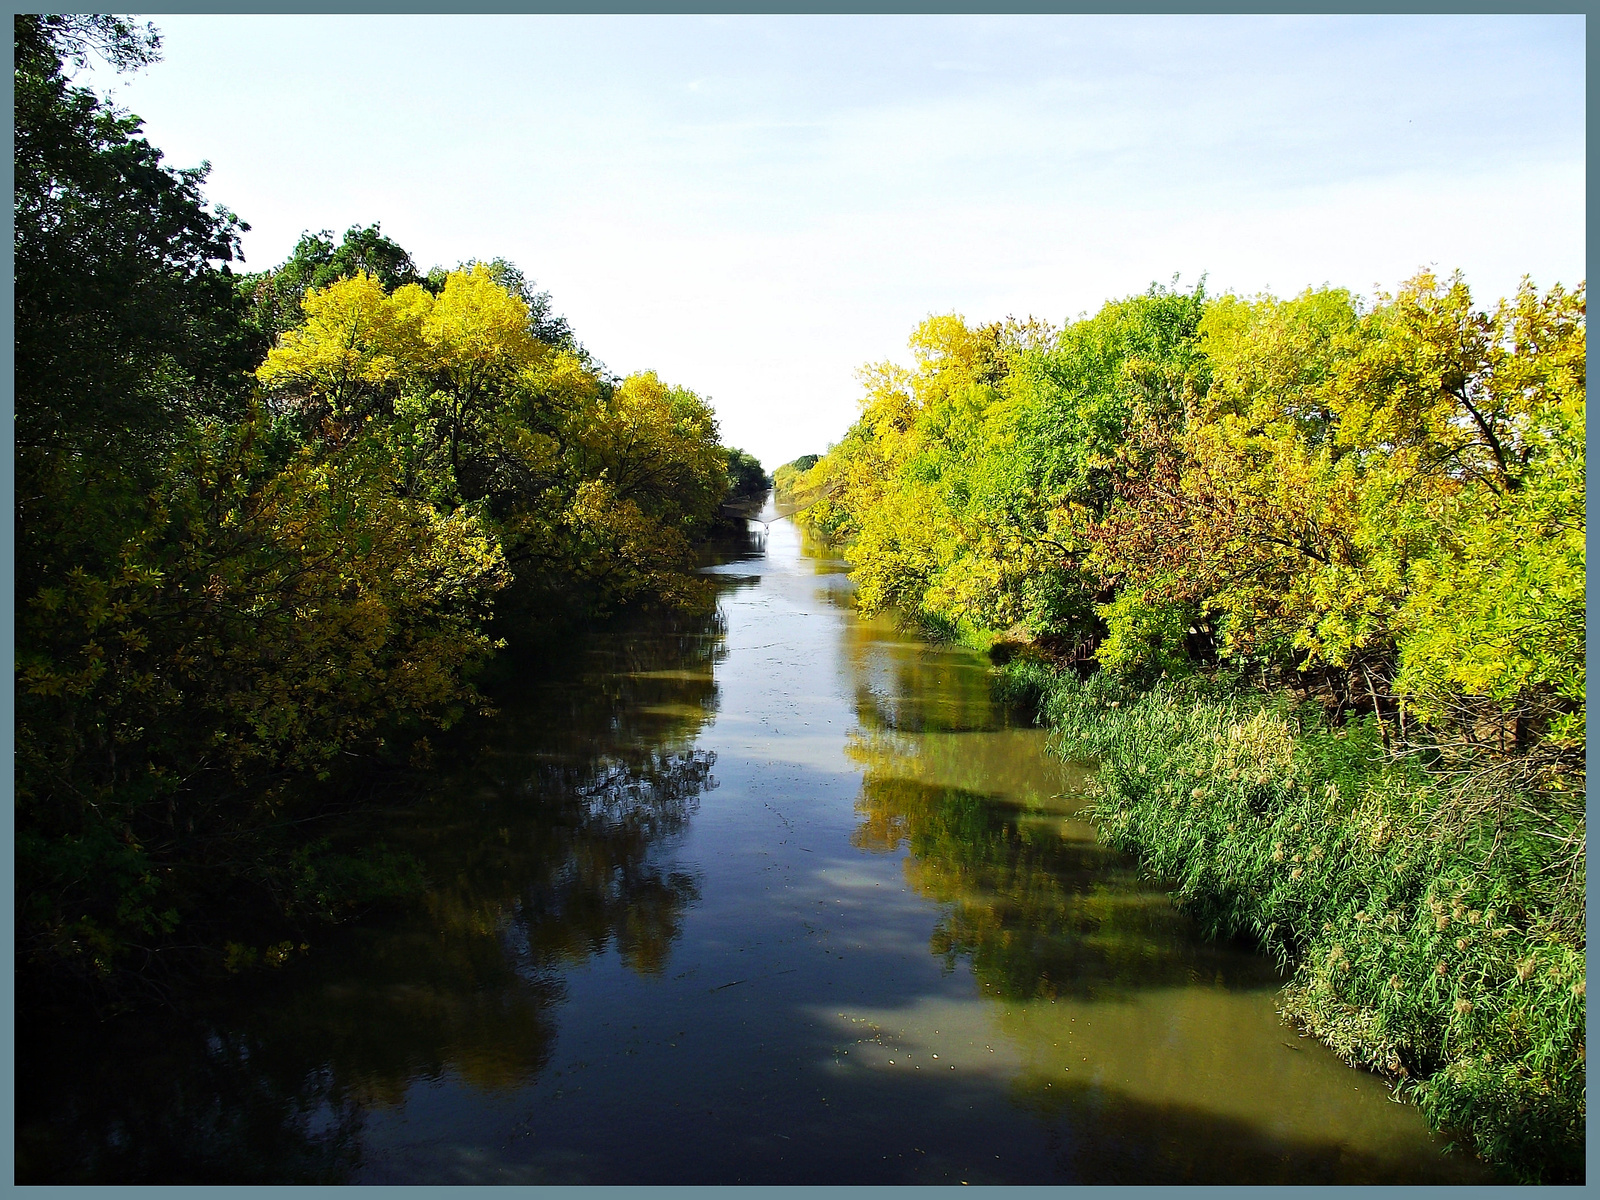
266 521
1379 500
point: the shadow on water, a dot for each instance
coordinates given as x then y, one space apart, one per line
1091 1135
1186 1075
542 849
884 948
1035 915
1142 1053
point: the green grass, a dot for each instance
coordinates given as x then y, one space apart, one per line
1432 944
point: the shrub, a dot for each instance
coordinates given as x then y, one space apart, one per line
1433 942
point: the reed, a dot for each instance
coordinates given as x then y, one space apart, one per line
1436 942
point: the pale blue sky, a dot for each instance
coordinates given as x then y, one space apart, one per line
755 206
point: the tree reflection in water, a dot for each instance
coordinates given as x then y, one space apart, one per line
1035 905
544 848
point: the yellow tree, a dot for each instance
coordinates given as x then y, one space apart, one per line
1349 473
453 377
651 475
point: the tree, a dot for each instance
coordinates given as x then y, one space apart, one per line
229 587
967 489
445 372
1494 617
262 624
276 296
1358 488
543 323
211 609
596 489
126 320
746 479
127 326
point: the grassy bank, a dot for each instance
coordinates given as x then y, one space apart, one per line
1436 939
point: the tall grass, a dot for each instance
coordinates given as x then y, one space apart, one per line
1444 954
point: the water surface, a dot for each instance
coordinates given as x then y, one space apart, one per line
775 896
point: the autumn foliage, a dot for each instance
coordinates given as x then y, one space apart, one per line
1357 525
271 526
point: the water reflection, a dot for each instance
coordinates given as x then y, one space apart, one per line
1143 1052
776 896
208 1107
543 849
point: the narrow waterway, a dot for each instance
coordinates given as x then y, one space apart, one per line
776 896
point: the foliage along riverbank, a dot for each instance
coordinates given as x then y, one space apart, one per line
271 526
1322 561
1429 944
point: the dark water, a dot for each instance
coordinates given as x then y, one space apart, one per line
780 896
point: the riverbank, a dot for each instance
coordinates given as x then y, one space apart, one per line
711 879
1437 946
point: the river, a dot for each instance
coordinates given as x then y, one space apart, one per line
775 896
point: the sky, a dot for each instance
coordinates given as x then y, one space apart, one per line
755 207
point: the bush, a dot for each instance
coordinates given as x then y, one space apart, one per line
1433 943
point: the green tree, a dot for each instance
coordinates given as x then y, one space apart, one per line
211 609
968 488
316 262
127 325
746 479
126 321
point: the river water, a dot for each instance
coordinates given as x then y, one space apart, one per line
776 896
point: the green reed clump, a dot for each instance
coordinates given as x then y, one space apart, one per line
1434 944
1026 682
